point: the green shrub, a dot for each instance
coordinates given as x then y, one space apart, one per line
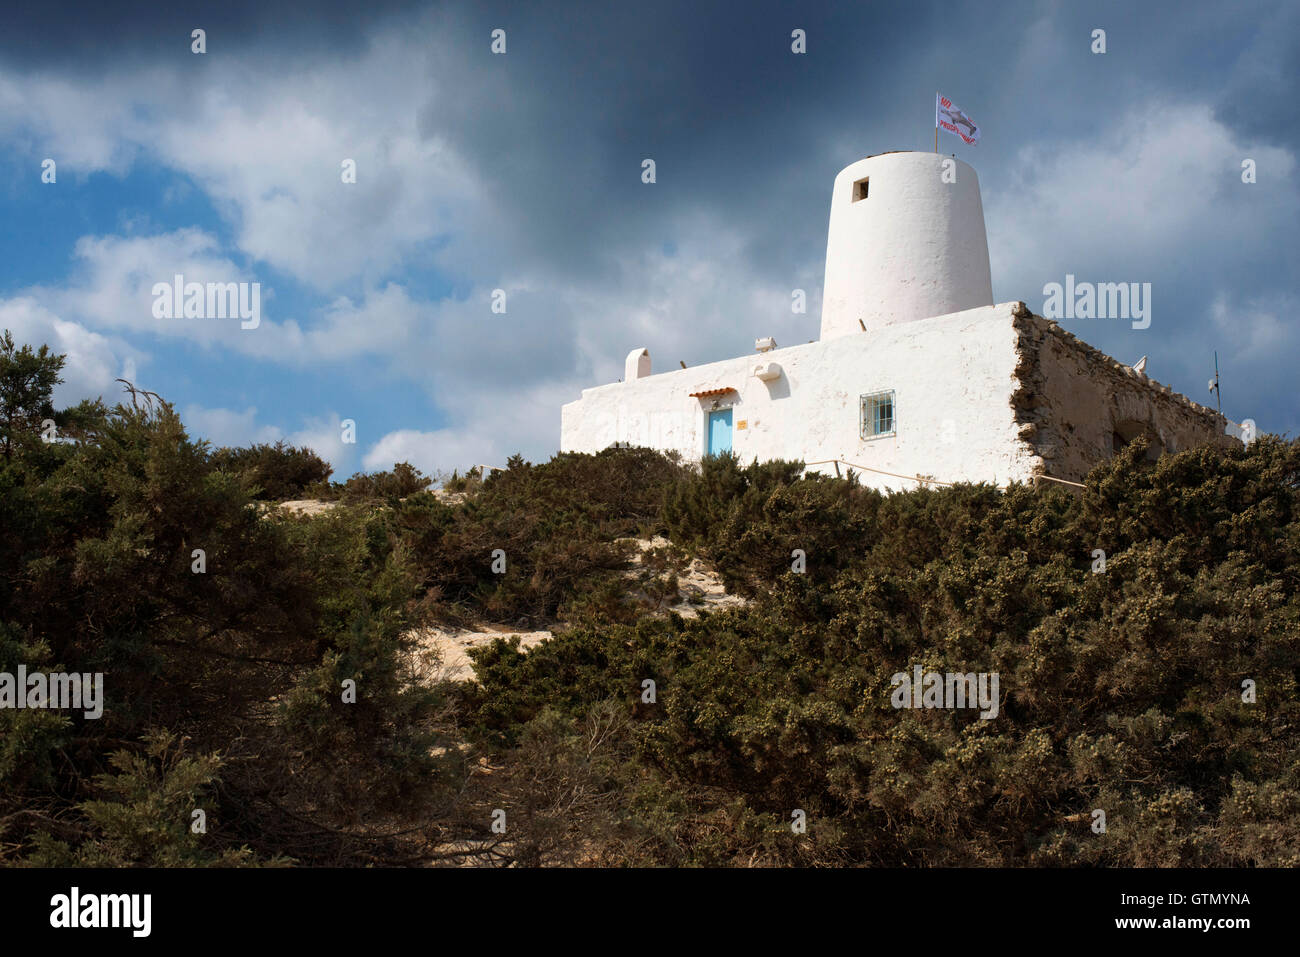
559 526
404 479
1120 690
273 472
131 553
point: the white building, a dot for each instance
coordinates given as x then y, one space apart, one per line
917 376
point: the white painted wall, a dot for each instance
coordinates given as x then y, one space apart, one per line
911 261
914 248
952 375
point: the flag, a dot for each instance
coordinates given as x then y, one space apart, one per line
954 120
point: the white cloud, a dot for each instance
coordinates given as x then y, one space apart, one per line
226 427
1164 178
439 451
324 436
1254 329
93 360
271 162
114 276
230 427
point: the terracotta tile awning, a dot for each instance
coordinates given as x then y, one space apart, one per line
710 393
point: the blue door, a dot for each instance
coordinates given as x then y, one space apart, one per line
720 432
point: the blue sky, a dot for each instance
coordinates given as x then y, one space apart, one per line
522 172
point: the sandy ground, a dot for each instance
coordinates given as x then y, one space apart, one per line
699 589
308 506
453 645
315 506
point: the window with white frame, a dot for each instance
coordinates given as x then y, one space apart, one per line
878 415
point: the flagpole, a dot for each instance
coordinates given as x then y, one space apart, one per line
936 121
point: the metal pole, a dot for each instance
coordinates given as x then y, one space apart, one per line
1218 394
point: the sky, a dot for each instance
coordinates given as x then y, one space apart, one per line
521 171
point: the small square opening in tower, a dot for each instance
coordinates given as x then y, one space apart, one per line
860 189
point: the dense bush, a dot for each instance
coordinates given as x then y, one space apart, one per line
557 527
749 520
471 481
1121 690
273 472
1122 687
129 553
404 479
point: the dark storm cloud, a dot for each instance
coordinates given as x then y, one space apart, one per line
1264 83
86 37
735 122
739 125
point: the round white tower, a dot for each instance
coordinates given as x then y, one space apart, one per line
906 241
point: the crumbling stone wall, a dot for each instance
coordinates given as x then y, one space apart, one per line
1075 404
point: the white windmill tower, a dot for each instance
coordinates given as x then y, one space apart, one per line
906 241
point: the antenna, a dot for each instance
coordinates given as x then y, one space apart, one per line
1214 384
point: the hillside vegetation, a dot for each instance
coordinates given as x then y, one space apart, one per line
1161 689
